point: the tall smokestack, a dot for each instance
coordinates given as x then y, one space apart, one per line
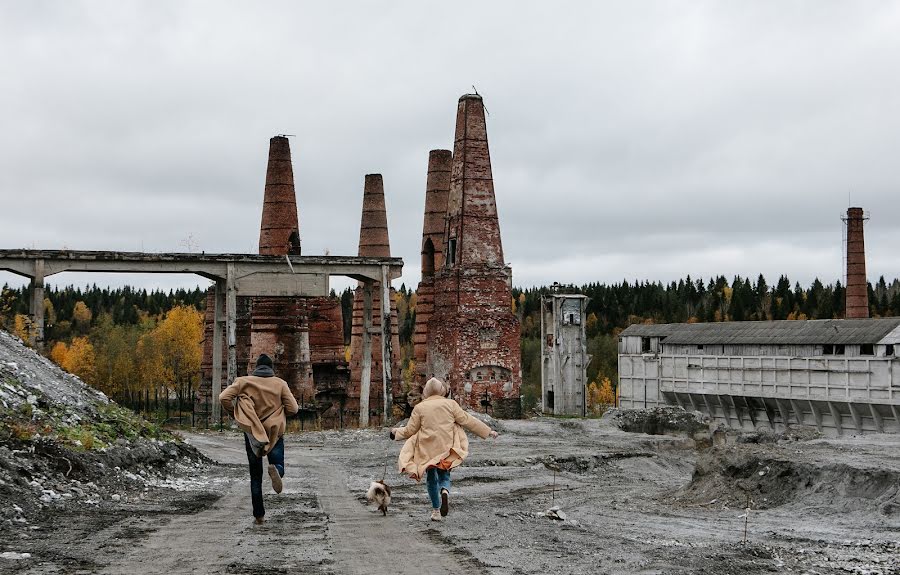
857 304
437 188
473 227
373 230
279 232
373 242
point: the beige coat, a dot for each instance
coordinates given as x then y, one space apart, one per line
258 405
434 434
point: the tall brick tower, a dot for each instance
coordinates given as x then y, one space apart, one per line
279 231
437 188
373 242
304 336
473 335
279 325
857 303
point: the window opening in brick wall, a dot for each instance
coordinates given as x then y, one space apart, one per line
867 349
451 251
827 349
645 345
889 349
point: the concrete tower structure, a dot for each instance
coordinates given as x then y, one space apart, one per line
857 302
564 357
437 189
373 242
473 336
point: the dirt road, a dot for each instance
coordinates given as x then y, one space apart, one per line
621 494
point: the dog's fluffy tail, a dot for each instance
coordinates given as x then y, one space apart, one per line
375 489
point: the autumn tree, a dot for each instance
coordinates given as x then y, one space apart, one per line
80 359
81 316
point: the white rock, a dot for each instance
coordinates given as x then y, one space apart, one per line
14 556
116 497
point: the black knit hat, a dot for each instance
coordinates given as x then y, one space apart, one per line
264 360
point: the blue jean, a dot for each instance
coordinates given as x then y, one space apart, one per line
276 458
435 480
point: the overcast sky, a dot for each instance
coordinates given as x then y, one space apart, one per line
636 140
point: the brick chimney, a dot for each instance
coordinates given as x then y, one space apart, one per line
279 232
373 242
857 303
373 230
473 336
437 188
473 232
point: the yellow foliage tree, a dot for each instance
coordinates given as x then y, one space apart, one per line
172 352
58 353
82 316
23 328
80 359
600 396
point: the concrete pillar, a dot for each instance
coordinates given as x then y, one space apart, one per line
365 382
386 366
857 300
219 305
231 322
36 306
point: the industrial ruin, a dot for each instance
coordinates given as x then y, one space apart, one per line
564 357
465 331
834 374
472 336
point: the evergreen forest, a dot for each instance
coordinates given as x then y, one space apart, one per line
135 344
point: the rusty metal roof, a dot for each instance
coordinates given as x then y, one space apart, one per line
784 332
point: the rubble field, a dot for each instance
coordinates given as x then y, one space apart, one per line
634 492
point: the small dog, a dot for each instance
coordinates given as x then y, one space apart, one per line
379 492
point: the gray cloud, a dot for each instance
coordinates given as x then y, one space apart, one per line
639 141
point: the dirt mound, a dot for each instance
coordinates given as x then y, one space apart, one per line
773 476
664 420
65 444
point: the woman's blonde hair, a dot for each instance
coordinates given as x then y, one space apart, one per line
434 386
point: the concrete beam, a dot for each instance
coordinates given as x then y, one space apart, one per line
724 410
817 415
769 413
751 413
783 411
737 412
836 416
857 418
798 411
211 266
876 417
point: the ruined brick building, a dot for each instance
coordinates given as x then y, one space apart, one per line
465 330
303 335
472 335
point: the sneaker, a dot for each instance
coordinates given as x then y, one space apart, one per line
276 478
445 502
435 514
